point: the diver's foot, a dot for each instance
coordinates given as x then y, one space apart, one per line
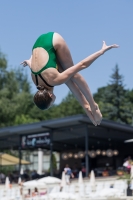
97 114
90 115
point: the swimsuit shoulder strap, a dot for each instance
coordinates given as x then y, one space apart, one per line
42 79
36 80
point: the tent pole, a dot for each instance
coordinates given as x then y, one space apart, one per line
86 151
51 152
20 154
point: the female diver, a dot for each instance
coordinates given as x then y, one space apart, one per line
51 64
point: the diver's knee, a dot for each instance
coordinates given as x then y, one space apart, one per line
76 77
58 40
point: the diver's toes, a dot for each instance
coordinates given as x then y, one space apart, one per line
98 122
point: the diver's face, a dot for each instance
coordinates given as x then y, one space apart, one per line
53 99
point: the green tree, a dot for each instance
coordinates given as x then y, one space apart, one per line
3 66
113 99
54 162
69 106
130 103
15 97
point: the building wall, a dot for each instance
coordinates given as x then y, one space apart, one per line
97 162
32 156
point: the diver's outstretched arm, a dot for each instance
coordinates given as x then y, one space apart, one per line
68 73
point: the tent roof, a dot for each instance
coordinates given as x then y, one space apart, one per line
6 159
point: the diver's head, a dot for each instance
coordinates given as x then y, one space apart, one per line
44 98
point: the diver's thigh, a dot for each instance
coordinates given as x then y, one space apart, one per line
74 78
62 51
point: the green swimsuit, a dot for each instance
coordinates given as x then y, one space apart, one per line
46 41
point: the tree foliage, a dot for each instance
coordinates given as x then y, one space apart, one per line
114 100
15 96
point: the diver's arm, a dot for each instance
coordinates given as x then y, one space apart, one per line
26 62
68 73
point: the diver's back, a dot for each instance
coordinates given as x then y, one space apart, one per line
43 53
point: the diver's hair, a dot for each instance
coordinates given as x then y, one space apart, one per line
42 98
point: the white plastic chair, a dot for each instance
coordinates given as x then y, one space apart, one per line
87 189
81 191
44 197
55 189
4 198
1 193
99 188
54 194
65 188
72 189
121 187
107 184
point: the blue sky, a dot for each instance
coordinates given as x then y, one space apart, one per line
83 23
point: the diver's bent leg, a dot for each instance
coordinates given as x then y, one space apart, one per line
81 99
65 59
79 96
83 86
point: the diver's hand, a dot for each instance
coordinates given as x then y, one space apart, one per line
26 63
106 48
